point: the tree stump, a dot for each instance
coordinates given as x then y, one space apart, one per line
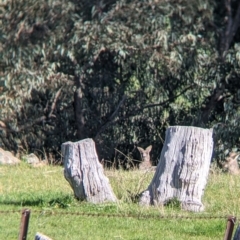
84 172
40 236
183 168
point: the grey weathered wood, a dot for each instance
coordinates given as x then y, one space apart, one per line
183 168
40 236
84 172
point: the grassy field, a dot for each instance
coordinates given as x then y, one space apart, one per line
53 208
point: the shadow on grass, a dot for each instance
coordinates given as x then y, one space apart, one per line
62 201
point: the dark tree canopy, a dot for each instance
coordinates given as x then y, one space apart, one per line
119 72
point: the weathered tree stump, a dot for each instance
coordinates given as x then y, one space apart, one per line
183 168
84 172
40 236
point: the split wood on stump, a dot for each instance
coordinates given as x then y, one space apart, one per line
84 172
183 168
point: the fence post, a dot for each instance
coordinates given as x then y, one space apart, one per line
229 229
24 224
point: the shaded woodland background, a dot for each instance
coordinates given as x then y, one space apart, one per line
119 72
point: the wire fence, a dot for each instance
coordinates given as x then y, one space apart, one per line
129 215
25 215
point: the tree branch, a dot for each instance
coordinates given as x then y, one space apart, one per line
168 100
211 105
231 28
106 124
133 113
35 121
54 102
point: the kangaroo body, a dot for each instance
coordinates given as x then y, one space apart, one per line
231 164
145 156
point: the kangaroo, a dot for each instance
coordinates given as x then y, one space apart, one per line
231 163
145 155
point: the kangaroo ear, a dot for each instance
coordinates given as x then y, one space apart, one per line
236 157
141 150
149 148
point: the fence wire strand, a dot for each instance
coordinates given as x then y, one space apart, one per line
137 216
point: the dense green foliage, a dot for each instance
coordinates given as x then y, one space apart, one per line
119 72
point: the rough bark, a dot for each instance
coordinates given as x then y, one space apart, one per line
84 172
40 236
183 168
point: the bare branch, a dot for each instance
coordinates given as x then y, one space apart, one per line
2 125
211 105
54 102
21 128
30 124
105 125
112 120
168 100
35 121
117 109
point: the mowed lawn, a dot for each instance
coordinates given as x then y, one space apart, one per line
56 213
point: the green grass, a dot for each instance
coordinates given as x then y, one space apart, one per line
53 208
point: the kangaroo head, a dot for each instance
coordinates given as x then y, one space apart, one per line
145 154
231 163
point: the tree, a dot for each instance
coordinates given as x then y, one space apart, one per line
183 168
119 72
35 104
84 172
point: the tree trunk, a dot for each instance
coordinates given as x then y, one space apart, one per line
183 168
84 172
79 111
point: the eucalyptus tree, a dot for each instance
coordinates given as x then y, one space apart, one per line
117 71
36 97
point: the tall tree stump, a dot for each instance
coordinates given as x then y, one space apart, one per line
183 168
84 172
